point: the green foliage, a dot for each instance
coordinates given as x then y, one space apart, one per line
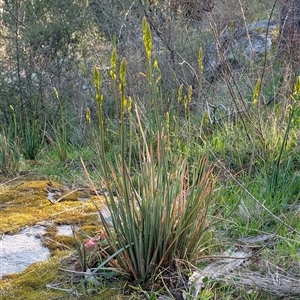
60 141
10 156
45 27
152 156
160 213
31 141
41 40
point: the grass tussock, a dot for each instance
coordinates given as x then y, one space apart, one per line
158 208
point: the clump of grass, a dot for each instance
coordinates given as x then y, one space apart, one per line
10 154
59 141
32 138
159 201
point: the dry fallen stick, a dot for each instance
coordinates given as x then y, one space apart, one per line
269 278
63 197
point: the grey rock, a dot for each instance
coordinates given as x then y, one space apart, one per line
239 46
19 251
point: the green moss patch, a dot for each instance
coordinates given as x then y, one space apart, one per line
46 281
32 283
28 203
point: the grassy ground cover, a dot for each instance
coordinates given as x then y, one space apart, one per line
183 194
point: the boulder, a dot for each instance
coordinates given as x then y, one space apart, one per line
239 46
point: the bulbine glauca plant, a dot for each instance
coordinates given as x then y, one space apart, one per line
158 198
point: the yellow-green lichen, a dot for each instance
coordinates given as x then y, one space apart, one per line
91 230
60 242
27 203
45 281
32 283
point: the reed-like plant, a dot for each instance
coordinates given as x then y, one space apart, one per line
31 138
59 140
159 201
10 155
293 110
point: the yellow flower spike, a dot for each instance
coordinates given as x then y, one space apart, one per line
179 99
124 103
123 71
185 101
200 60
113 64
113 59
88 115
155 64
168 120
56 93
11 107
97 84
190 93
122 84
297 87
188 98
147 38
256 91
96 78
129 107
206 118
113 75
98 99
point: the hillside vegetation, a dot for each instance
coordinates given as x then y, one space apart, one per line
200 170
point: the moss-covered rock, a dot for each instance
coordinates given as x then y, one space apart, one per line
27 203
32 283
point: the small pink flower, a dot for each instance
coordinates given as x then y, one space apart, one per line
91 243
